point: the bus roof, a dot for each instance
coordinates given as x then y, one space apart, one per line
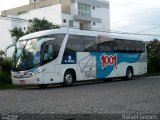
74 31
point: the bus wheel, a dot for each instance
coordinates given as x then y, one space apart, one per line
42 86
68 78
129 73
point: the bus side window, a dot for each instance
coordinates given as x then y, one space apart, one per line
140 46
105 44
47 53
130 46
105 47
118 45
74 44
90 44
50 51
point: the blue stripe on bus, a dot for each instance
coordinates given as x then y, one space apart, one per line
107 62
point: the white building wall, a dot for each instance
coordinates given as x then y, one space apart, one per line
5 39
104 14
21 24
69 17
98 12
51 13
74 9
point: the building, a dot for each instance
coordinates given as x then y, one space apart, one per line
82 14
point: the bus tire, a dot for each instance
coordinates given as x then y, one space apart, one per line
129 73
68 78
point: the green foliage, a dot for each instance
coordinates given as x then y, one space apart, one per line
15 32
5 74
6 65
153 50
1 55
37 25
5 77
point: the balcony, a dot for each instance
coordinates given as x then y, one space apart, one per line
86 18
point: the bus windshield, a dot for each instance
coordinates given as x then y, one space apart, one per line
28 53
25 56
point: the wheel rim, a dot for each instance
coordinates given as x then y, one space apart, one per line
129 74
68 78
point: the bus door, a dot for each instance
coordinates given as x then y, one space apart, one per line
47 58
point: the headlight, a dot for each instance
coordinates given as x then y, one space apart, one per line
29 73
33 72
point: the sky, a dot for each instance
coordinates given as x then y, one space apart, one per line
137 16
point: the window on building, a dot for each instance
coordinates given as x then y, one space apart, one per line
64 20
20 29
84 10
71 23
93 7
94 23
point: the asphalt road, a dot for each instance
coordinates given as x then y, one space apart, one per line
138 96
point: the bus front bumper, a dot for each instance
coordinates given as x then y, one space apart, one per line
35 80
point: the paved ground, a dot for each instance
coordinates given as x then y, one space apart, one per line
141 95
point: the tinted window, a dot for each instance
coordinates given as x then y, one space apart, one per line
105 44
121 45
139 46
74 44
118 45
50 51
90 44
130 46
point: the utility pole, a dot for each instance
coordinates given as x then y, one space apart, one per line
34 4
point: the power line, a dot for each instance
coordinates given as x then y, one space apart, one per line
117 32
14 18
150 29
132 33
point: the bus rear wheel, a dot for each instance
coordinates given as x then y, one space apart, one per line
129 73
68 78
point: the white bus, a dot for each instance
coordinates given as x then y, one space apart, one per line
70 55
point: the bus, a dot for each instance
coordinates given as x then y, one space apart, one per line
70 55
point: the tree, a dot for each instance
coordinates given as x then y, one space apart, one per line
1 54
153 50
37 25
15 32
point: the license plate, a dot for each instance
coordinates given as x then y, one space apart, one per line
22 81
